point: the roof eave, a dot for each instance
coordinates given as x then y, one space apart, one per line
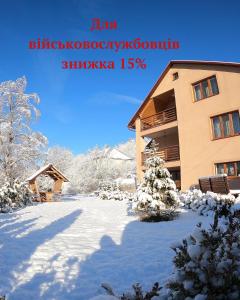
131 124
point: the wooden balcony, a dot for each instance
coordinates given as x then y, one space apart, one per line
170 153
163 117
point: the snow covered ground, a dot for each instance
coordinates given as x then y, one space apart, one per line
65 250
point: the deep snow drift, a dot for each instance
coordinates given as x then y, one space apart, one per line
65 250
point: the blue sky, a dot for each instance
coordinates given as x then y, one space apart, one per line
84 108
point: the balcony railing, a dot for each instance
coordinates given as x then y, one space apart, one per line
170 153
163 117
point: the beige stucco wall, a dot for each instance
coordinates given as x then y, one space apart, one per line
198 152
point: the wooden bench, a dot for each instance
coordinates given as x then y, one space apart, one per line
205 184
218 184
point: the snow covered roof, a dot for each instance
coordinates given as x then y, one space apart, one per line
112 154
49 170
116 154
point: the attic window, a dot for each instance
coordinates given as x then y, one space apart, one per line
205 88
175 76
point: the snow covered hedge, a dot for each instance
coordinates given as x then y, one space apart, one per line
156 198
205 204
14 196
207 263
111 191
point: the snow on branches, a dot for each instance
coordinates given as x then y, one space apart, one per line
20 147
14 196
111 191
205 204
156 198
89 170
207 263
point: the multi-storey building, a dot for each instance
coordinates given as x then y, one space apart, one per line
192 114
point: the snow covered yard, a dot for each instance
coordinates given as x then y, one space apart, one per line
65 250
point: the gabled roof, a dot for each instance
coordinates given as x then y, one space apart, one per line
112 154
118 155
131 124
49 170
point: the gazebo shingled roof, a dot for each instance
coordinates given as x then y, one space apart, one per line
49 170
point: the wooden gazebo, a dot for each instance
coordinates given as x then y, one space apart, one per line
52 172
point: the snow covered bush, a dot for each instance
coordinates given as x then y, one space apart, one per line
110 191
205 204
127 184
13 196
207 263
156 198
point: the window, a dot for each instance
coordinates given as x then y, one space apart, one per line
175 76
205 88
216 127
229 168
236 121
220 168
226 125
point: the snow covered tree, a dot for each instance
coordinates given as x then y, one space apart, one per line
207 263
20 146
128 167
89 170
86 171
60 157
156 198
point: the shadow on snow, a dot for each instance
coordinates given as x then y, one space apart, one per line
143 256
15 251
